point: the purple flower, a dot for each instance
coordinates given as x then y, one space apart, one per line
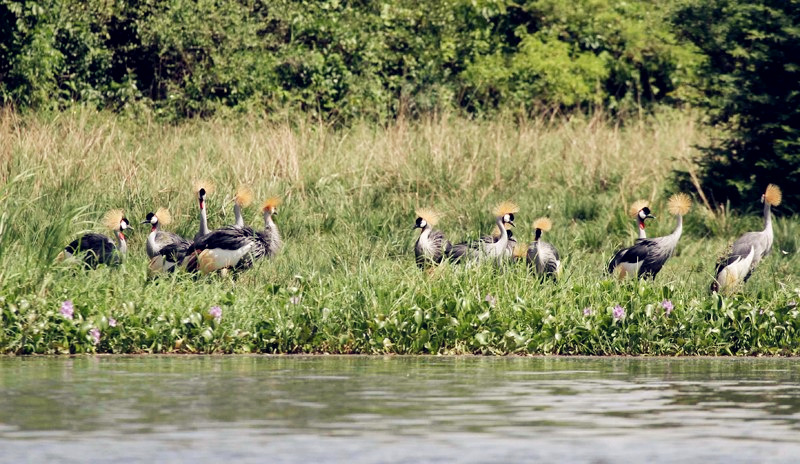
587 311
295 299
668 307
112 322
94 334
491 300
619 312
216 313
67 309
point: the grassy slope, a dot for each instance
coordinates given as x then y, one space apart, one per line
349 197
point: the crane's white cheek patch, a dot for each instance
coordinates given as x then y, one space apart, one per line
217 258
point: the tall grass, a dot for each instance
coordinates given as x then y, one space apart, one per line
346 279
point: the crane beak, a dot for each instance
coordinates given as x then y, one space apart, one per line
650 216
512 223
145 222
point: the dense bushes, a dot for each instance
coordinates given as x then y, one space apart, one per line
337 58
751 89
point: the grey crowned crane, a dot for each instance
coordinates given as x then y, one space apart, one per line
431 245
746 252
236 247
203 188
648 255
157 238
242 199
487 247
542 256
96 249
640 209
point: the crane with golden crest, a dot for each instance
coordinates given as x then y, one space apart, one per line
648 255
95 249
157 238
640 209
242 199
488 246
748 250
431 244
542 257
203 188
235 247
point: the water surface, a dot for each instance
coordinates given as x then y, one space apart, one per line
398 409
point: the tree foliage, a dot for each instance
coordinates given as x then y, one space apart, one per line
337 58
751 87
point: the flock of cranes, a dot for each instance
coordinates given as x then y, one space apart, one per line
644 259
237 246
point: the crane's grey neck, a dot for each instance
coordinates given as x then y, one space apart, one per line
152 247
122 244
272 232
502 242
203 219
678 227
767 218
237 212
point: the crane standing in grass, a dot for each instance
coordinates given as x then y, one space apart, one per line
542 256
746 252
203 188
236 247
487 247
431 245
97 248
157 238
242 199
648 255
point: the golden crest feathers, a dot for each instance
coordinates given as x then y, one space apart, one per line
113 218
773 195
637 206
506 207
430 216
204 184
679 204
244 196
271 204
543 223
164 217
520 250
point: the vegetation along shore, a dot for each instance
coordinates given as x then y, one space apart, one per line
346 280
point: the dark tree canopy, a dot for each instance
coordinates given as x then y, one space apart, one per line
750 84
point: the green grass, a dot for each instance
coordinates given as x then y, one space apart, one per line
346 280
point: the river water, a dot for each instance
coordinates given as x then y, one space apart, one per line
287 409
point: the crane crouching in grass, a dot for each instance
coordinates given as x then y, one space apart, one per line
488 247
543 257
431 245
746 252
235 247
648 255
96 249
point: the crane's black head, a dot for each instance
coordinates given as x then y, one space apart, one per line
124 223
421 223
509 233
508 219
150 219
644 213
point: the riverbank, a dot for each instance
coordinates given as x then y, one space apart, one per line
345 281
